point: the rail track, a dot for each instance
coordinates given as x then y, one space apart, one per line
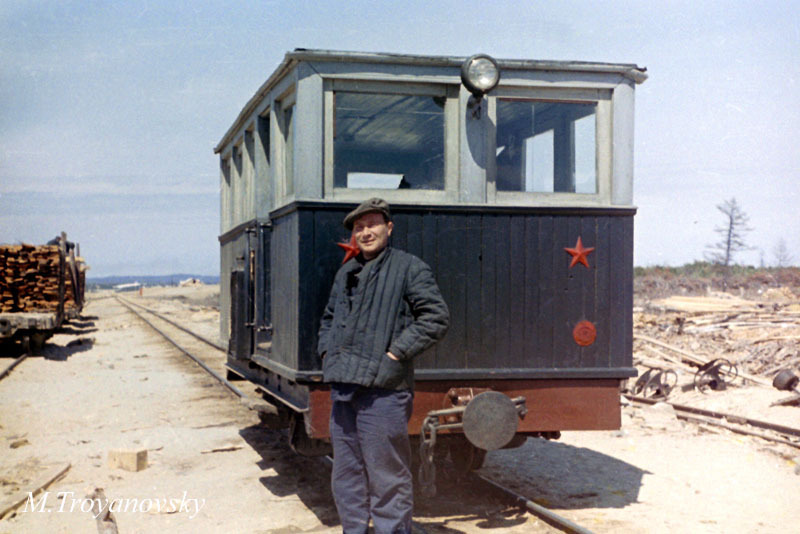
5 372
732 422
132 307
488 486
28 349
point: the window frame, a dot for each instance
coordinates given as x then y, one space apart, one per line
601 98
451 135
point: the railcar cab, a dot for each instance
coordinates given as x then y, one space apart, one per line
518 194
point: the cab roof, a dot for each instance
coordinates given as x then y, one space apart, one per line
627 70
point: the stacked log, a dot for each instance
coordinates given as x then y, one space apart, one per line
29 279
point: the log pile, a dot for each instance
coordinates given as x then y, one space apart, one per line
29 279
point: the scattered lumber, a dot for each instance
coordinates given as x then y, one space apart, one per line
688 356
668 358
770 357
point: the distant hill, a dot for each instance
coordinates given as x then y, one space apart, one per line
105 282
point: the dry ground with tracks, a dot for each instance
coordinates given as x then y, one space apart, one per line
108 382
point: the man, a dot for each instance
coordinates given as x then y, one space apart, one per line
384 309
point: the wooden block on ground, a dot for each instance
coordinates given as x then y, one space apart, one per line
128 459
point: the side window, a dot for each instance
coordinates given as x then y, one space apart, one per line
546 147
388 141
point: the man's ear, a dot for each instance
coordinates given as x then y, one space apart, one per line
390 225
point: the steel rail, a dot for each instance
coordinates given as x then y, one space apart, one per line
735 428
176 325
546 515
16 362
733 418
236 391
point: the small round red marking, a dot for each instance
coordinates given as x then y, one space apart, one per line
584 333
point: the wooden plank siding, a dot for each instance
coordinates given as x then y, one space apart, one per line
602 297
450 351
543 357
513 298
285 269
588 232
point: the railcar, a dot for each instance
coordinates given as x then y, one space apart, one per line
511 178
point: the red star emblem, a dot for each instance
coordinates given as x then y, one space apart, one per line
579 254
351 249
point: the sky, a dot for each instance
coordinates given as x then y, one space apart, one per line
109 111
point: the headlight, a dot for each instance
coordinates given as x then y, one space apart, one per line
480 74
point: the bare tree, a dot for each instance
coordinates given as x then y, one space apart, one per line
781 253
732 238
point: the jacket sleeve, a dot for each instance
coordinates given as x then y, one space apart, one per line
431 316
326 322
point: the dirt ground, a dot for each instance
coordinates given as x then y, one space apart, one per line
108 382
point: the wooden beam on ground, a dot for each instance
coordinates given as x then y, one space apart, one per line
670 359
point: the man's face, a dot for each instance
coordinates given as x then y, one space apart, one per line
372 234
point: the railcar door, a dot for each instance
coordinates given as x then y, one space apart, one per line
242 312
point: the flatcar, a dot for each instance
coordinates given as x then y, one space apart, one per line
512 179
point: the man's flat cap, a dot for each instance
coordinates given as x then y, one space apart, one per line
373 205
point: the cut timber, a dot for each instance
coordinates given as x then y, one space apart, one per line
40 278
728 303
740 326
129 460
31 491
687 355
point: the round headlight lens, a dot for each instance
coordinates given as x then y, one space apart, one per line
480 73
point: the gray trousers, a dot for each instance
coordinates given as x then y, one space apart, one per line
371 460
